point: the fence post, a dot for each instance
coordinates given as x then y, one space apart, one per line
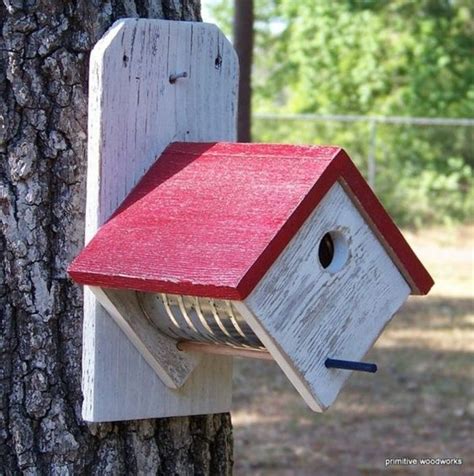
371 165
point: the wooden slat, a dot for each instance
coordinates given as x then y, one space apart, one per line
134 113
159 351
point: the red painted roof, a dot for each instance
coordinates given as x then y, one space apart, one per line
210 219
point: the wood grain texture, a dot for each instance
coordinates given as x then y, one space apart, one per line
234 208
134 113
303 313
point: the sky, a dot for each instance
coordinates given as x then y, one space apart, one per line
206 10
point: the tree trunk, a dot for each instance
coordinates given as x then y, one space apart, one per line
44 52
243 44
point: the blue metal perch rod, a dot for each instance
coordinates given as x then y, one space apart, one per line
350 365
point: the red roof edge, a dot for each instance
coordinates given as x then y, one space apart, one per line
290 228
391 237
343 169
147 285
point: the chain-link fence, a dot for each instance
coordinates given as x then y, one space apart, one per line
420 167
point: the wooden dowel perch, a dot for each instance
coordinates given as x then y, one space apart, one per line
186 345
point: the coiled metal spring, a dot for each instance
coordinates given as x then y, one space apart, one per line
198 319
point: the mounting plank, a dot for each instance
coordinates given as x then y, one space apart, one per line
134 113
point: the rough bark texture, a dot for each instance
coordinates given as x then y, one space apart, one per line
44 49
243 44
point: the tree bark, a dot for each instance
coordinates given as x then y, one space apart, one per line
44 52
243 44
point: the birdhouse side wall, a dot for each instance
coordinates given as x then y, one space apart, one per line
304 313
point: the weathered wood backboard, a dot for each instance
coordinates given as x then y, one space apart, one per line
134 113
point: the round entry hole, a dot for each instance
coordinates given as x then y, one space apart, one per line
333 251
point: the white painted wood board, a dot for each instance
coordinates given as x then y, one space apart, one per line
303 313
134 113
160 351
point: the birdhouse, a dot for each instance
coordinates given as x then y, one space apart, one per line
204 249
272 251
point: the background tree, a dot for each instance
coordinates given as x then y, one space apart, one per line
243 44
44 51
